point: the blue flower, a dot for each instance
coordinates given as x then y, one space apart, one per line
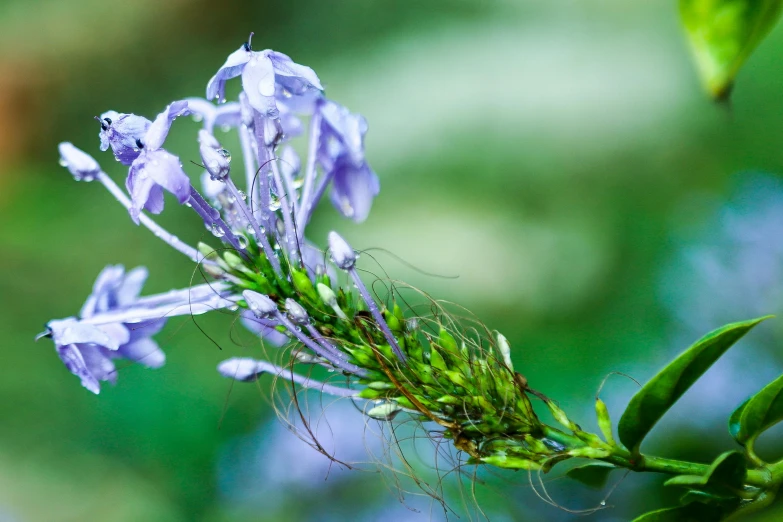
261 72
88 350
155 169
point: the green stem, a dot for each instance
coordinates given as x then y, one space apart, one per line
763 478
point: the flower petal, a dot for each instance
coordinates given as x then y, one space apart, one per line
74 361
122 134
72 331
216 88
353 189
144 351
297 79
165 169
98 363
258 82
157 132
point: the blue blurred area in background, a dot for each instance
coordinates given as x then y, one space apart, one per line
559 157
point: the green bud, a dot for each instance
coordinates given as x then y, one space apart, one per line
590 453
503 461
436 359
395 325
458 379
329 298
380 385
604 421
369 393
561 417
235 262
302 283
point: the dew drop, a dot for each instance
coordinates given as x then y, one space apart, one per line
242 241
197 117
225 127
217 231
242 195
63 163
274 203
298 182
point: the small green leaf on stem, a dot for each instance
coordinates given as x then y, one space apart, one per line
662 391
693 512
760 412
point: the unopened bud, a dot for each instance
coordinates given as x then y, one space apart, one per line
216 161
259 304
79 163
296 312
505 350
330 299
385 411
342 253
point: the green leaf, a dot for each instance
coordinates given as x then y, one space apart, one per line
662 391
593 475
761 411
693 512
723 33
727 472
734 420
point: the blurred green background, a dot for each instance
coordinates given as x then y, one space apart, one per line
559 157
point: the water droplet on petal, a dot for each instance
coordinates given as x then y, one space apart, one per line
63 163
225 127
274 203
242 241
197 117
242 195
217 231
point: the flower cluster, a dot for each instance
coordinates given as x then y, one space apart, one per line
283 288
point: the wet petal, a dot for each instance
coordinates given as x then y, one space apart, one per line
216 88
294 77
258 82
165 169
353 190
81 165
122 134
157 132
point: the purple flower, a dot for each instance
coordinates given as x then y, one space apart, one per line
353 188
155 169
261 72
341 154
88 349
121 132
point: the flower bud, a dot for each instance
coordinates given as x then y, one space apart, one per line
327 296
505 350
259 304
216 161
342 253
240 369
385 411
79 163
205 139
296 312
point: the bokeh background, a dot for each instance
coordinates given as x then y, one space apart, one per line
559 157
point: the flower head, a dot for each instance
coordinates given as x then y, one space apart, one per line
122 132
88 348
261 72
155 169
